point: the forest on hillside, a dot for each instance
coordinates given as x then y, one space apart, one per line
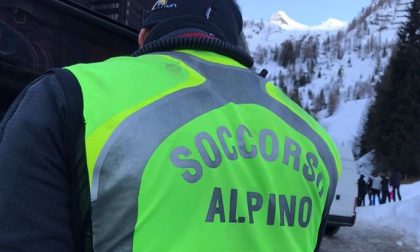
392 128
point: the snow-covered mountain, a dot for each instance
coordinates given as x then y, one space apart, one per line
281 19
331 24
285 22
331 72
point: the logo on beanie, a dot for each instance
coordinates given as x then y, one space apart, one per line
163 5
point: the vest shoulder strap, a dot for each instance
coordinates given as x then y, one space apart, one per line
73 139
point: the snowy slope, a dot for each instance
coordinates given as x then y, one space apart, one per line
344 126
401 216
348 61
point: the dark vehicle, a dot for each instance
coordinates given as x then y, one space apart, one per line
43 34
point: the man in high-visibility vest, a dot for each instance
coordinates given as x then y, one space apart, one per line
180 148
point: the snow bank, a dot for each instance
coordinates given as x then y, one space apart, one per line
401 216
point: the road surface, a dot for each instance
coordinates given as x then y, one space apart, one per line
361 238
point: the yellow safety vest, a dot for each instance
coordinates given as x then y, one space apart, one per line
191 151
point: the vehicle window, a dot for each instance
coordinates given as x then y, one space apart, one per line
39 35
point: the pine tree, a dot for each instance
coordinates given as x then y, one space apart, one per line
393 124
287 54
295 96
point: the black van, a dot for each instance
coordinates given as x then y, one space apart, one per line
43 34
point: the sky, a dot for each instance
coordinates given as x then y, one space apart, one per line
308 12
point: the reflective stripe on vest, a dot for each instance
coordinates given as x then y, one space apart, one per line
190 153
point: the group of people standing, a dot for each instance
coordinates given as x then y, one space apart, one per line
378 187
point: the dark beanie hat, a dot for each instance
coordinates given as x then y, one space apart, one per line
220 17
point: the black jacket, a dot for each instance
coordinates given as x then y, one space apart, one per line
361 183
41 200
385 184
396 179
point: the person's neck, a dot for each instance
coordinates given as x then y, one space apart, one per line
167 38
189 33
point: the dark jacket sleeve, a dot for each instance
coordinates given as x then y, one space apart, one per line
35 190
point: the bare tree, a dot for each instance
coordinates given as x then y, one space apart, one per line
333 100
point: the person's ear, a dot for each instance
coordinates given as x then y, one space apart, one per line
142 36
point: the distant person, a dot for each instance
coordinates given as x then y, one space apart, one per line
361 185
369 190
395 183
376 189
385 189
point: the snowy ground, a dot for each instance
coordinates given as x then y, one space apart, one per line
402 216
390 227
365 238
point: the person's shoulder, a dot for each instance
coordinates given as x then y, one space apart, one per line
38 102
45 86
121 65
57 87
